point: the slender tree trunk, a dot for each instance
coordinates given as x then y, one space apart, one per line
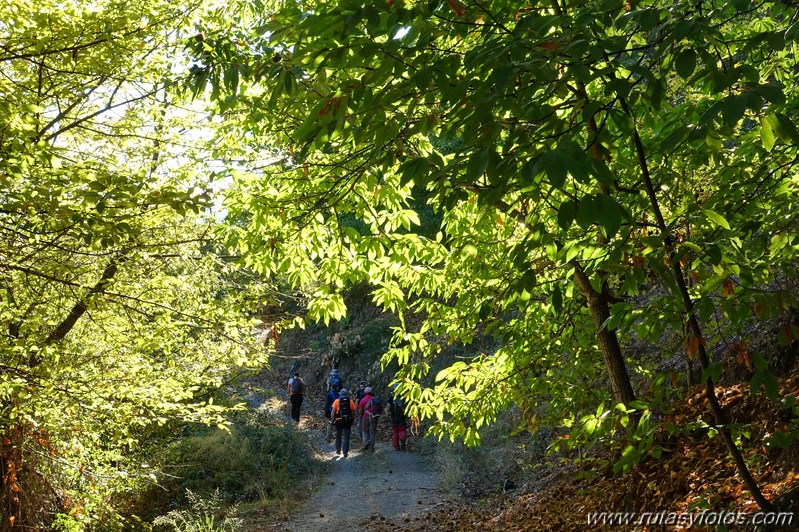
694 327
689 360
599 307
599 302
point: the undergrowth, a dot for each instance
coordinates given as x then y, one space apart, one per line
257 464
504 460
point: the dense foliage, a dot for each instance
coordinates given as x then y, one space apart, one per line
604 170
117 311
569 178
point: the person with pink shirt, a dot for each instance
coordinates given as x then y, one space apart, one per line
369 409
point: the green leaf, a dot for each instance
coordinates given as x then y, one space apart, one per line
674 138
783 440
771 385
557 300
760 362
618 86
502 76
713 141
685 63
706 308
776 40
629 458
528 281
587 211
609 215
771 92
683 28
469 251
476 167
767 136
786 128
566 214
792 33
710 114
617 316
590 425
716 218
733 109
602 173
555 168
493 169
414 170
648 18
713 254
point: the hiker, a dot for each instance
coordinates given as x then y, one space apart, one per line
342 413
329 400
370 409
360 393
399 422
358 396
296 390
334 381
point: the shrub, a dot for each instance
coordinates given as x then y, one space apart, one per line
202 516
256 461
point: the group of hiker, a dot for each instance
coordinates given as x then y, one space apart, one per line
361 409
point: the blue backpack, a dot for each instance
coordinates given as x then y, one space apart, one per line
296 385
335 383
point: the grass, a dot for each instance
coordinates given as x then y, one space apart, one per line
481 471
258 465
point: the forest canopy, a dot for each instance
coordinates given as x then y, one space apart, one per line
599 174
546 186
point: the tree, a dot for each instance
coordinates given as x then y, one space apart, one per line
598 150
117 309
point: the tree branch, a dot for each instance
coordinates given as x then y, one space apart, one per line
80 308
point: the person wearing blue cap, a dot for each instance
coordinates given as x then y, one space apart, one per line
342 414
334 381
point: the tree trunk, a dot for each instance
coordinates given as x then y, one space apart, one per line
694 327
10 491
599 306
690 380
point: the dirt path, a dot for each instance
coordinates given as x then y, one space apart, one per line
384 489
387 487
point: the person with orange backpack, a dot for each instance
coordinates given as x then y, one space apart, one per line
329 400
343 414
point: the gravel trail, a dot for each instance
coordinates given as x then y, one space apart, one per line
386 489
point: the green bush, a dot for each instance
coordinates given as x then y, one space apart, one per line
258 461
254 460
205 514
